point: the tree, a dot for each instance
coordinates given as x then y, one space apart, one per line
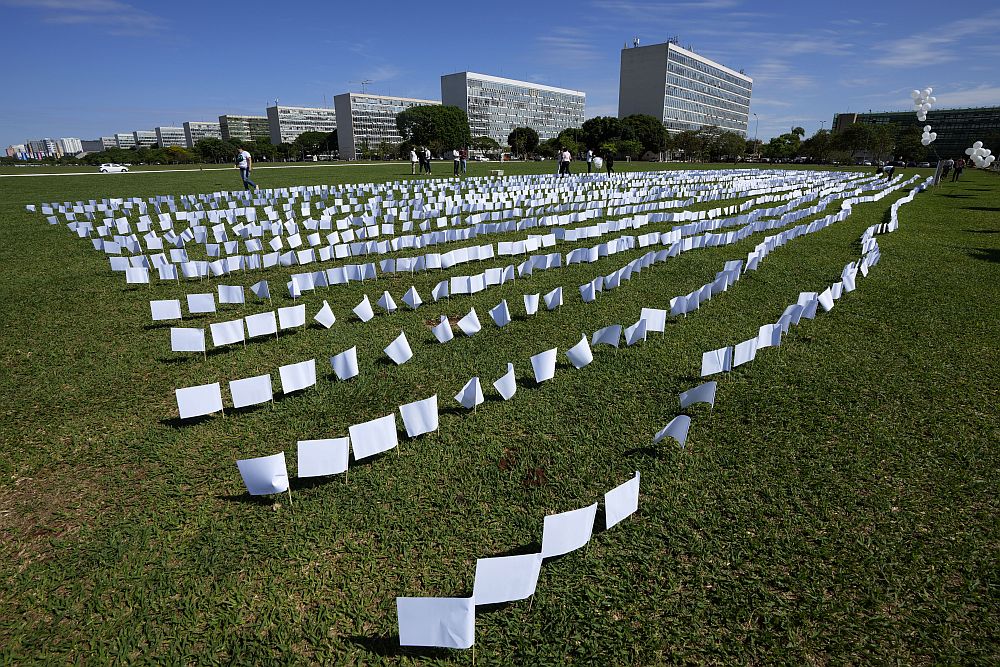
214 150
522 140
630 148
601 129
726 146
753 146
883 139
799 132
648 131
436 126
783 146
689 142
818 146
310 143
572 139
853 138
485 144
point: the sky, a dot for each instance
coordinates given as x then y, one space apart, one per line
86 68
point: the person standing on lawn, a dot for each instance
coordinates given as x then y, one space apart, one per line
245 164
413 162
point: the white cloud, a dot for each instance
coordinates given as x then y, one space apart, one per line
943 44
984 95
110 16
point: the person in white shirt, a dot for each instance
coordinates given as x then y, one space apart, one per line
457 159
413 162
245 164
590 160
564 159
427 160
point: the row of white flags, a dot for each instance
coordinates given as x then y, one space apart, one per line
369 227
450 622
727 358
137 268
206 399
219 267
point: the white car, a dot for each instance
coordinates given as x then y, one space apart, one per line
112 168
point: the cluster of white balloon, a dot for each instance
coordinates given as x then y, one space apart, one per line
927 137
922 102
981 156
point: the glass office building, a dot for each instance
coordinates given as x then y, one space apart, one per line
144 138
195 131
957 129
169 136
287 123
366 121
496 105
125 140
246 128
687 91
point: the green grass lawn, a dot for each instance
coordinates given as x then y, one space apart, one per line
838 505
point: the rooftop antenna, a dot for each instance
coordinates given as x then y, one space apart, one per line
635 42
674 40
364 85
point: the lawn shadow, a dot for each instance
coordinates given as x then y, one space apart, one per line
177 422
388 646
988 209
955 196
246 499
985 254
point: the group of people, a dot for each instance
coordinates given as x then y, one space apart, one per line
565 158
421 156
957 165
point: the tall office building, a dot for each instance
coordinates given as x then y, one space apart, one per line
685 90
70 145
287 123
144 138
195 131
245 128
19 151
496 105
957 129
169 136
124 140
41 148
365 121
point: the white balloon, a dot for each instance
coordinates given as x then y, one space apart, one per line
970 151
925 141
978 144
928 91
990 159
927 128
933 136
932 99
915 94
986 151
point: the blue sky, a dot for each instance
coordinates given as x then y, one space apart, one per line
83 68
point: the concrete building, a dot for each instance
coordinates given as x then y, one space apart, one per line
246 128
19 151
195 131
145 138
957 129
686 90
42 148
365 121
70 146
287 123
496 105
124 140
169 136
93 145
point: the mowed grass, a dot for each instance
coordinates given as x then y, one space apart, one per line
838 505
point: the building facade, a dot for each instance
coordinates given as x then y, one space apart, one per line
124 140
366 121
43 148
195 131
495 105
70 146
287 123
144 138
19 151
245 128
957 129
687 91
169 136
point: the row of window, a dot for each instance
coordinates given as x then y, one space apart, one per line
708 100
708 69
707 84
